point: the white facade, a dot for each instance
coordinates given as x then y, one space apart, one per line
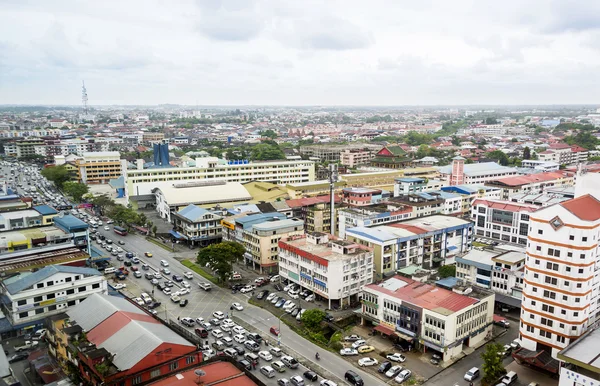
333 269
502 221
546 166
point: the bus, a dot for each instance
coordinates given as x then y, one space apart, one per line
120 231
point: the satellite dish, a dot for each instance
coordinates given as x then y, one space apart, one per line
200 373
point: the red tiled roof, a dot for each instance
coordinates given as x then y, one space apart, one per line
410 228
505 205
585 207
559 146
217 374
530 178
299 202
427 296
577 149
114 323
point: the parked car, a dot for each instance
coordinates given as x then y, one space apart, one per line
352 338
310 375
396 357
385 366
365 349
403 376
348 351
363 362
393 371
274 330
358 343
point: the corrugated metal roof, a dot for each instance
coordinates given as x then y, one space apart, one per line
192 212
103 306
45 210
44 273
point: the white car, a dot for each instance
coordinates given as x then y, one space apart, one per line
106 228
265 355
259 280
239 330
287 304
119 286
288 287
396 357
348 351
237 306
175 298
293 295
248 288
393 371
139 301
183 291
185 284
219 315
188 275
271 296
227 323
227 340
358 343
363 362
403 376
327 382
166 291
199 320
217 334
240 338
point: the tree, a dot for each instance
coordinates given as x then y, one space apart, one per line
154 229
57 174
492 357
491 121
527 153
269 133
221 257
103 202
312 318
447 271
266 152
499 156
584 139
75 190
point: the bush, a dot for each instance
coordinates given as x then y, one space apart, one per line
337 346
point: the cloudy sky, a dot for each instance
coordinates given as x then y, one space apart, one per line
303 52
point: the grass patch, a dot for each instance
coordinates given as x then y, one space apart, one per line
196 268
478 244
162 245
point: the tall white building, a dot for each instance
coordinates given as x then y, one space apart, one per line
561 283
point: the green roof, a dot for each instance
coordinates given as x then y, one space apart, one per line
396 150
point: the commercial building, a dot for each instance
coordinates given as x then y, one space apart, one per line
408 185
561 287
141 181
261 241
427 242
151 138
545 166
564 154
429 317
532 183
349 217
314 211
335 270
37 258
29 297
96 167
360 197
354 158
459 173
502 221
197 226
27 218
580 364
111 341
472 192
335 153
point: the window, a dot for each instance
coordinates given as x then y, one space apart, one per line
568 269
136 380
580 270
552 266
549 294
575 314
70 291
39 311
553 252
68 279
582 256
40 285
81 289
23 314
567 283
538 248
545 334
584 239
52 307
571 237
49 283
155 373
71 303
50 296
22 302
547 308
578 285
540 232
173 366
97 285
551 280
569 254
37 299
189 360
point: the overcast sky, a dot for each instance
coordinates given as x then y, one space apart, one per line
302 52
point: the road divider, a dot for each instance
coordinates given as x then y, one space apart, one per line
196 268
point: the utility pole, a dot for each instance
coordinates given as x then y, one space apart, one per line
333 178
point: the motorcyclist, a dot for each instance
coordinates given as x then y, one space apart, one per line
317 356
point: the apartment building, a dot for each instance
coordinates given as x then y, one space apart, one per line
261 241
197 226
334 270
96 167
561 285
470 193
334 153
141 181
532 183
29 297
407 185
149 137
350 217
459 173
429 317
427 242
564 154
502 221
353 158
545 166
360 197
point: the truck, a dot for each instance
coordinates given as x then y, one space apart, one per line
27 345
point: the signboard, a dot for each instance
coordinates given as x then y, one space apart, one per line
47 302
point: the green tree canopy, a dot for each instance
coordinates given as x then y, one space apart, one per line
266 152
269 133
75 190
499 156
493 368
491 121
527 153
57 174
447 271
584 139
312 318
415 139
221 257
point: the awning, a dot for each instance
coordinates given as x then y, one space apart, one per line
508 300
385 330
176 234
451 248
405 336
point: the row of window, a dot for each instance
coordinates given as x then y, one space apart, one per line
157 372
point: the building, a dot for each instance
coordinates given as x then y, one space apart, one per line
353 158
197 226
472 192
564 154
141 181
427 242
350 217
359 197
261 241
391 157
111 341
502 221
99 167
171 198
545 166
531 183
539 199
429 317
334 270
559 297
37 216
314 211
459 173
580 365
152 137
416 185
29 297
335 153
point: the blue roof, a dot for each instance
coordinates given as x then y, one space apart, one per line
410 179
44 273
69 223
117 183
248 221
192 212
45 210
372 233
448 282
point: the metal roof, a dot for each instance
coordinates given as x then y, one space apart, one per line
103 306
69 222
479 169
29 280
45 210
192 212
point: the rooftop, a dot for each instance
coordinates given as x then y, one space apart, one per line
192 212
528 179
25 280
587 207
584 351
424 295
300 202
483 168
271 225
218 372
45 210
176 194
506 205
323 250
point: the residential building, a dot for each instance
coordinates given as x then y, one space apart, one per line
261 241
559 298
314 211
502 221
350 217
29 297
109 340
423 204
197 226
359 197
459 173
428 242
564 154
579 359
429 317
416 185
545 166
470 193
531 183
391 157
142 181
334 270
353 158
335 153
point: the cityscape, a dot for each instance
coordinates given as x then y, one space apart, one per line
421 215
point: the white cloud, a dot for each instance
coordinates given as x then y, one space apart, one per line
381 52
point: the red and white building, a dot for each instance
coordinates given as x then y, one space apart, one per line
532 183
561 283
357 197
564 154
502 221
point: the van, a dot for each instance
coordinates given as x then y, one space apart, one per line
267 371
275 279
164 263
254 336
146 298
510 378
251 357
110 270
472 374
276 351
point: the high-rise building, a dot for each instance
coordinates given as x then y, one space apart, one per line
561 284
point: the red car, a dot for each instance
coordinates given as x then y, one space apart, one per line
274 331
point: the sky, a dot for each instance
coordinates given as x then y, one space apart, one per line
303 52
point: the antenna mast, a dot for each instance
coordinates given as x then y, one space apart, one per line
84 99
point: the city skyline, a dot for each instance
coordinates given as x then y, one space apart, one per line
212 53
